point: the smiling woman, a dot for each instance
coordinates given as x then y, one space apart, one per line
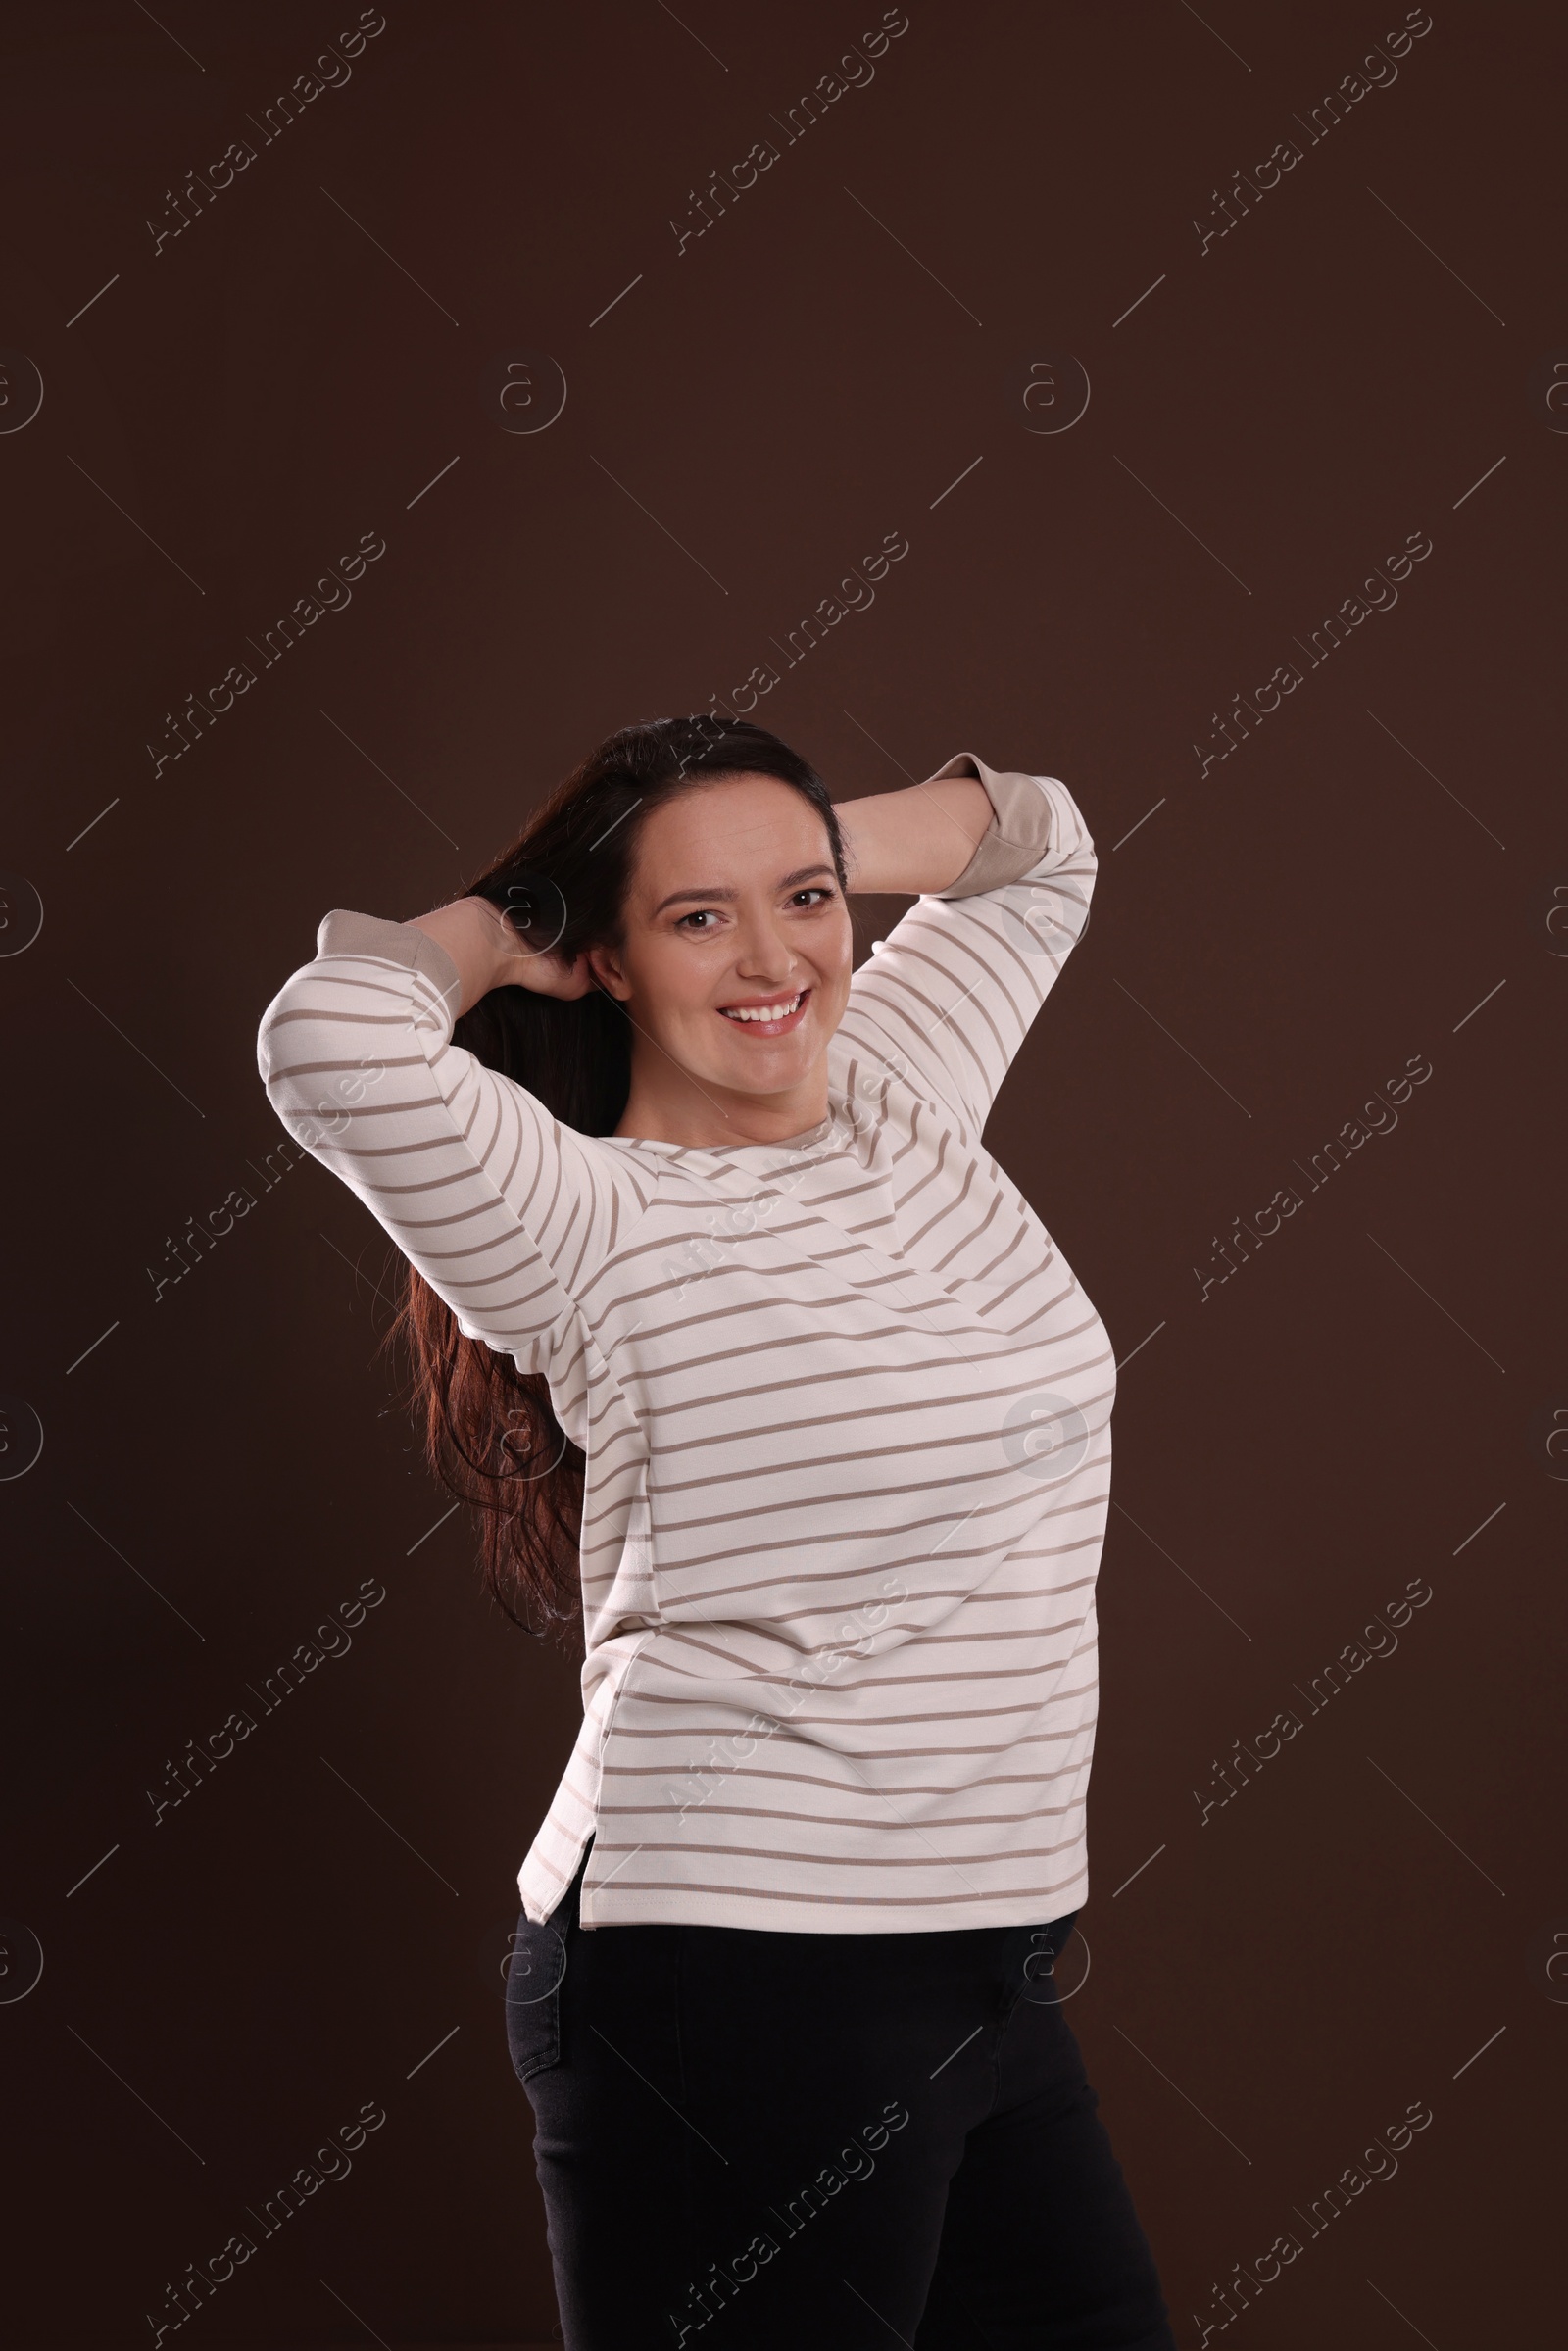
830 1525
731 911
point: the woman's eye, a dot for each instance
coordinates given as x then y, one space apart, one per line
702 920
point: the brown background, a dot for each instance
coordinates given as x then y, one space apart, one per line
1371 1388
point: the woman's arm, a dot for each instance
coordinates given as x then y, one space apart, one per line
489 953
505 1210
948 998
908 843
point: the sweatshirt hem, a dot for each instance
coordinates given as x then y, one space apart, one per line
825 1914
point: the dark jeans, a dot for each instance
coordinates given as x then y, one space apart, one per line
750 2142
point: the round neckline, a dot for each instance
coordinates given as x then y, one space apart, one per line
808 1137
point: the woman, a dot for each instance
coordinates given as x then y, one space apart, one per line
755 1363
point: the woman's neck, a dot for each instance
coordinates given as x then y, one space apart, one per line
708 1118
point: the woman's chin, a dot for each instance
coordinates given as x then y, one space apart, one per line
765 1074
758 1067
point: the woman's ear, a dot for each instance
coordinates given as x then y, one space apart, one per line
605 965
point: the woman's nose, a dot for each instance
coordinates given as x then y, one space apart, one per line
764 954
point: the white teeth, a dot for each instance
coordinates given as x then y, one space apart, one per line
762 1011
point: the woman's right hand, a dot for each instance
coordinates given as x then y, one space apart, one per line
489 953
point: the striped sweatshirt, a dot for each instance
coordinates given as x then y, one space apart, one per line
845 1409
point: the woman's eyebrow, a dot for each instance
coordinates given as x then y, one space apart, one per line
790 881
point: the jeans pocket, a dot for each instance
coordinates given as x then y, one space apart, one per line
533 1998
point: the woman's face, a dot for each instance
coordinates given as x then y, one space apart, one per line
733 912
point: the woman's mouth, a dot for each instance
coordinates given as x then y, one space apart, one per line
769 1017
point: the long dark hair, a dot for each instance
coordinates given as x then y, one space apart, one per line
489 1431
